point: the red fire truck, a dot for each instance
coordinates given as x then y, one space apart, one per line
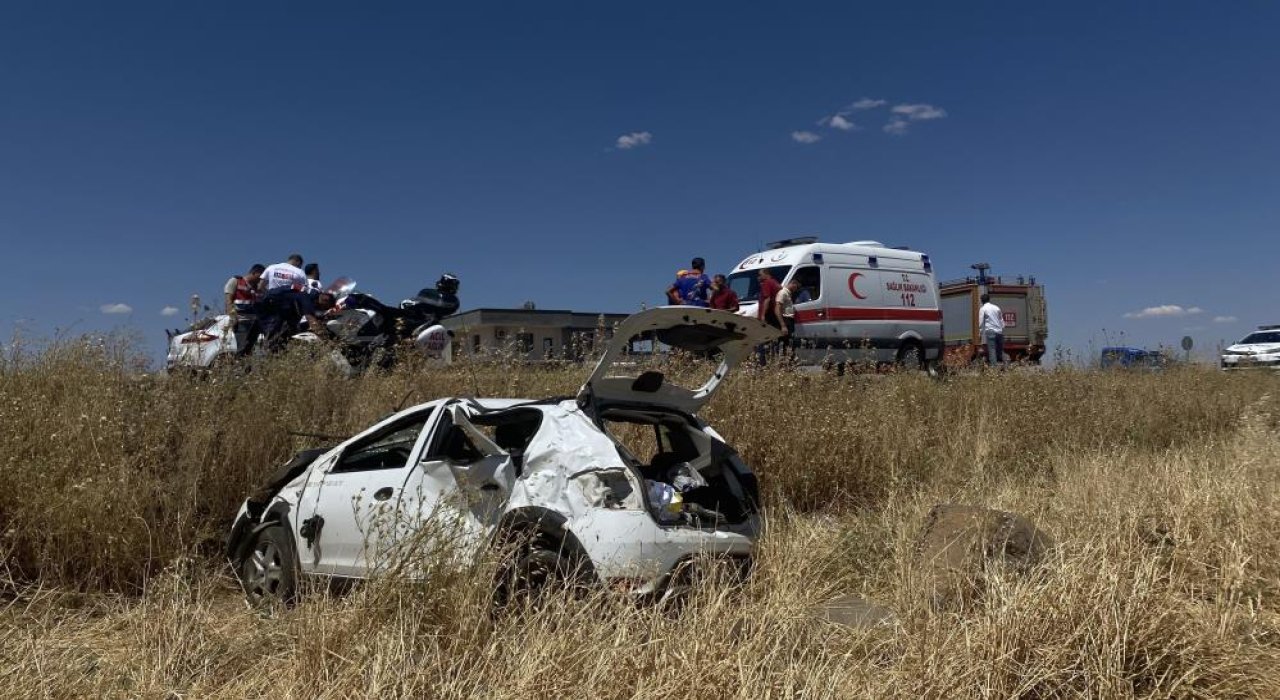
1026 321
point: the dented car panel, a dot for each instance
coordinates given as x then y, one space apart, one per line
486 464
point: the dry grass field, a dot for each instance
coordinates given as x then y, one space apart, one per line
1159 491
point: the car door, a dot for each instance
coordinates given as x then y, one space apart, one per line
356 518
462 482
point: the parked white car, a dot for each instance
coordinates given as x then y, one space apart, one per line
550 474
1259 349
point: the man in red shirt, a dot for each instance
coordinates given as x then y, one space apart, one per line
766 302
768 297
722 297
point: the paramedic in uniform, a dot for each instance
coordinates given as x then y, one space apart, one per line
991 326
242 296
286 299
284 274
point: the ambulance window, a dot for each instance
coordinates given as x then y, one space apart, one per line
810 279
746 283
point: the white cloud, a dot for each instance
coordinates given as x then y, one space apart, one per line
634 139
116 309
1225 319
897 127
1165 311
919 112
838 121
805 137
169 311
868 103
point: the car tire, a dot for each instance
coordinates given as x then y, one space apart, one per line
910 356
268 568
539 567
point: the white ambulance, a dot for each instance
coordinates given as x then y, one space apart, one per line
857 302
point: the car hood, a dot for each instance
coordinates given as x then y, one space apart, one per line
689 328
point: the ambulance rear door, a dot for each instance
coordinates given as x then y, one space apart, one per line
853 298
911 303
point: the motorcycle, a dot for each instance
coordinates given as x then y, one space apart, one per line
370 333
366 332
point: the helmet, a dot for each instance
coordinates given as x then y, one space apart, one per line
447 284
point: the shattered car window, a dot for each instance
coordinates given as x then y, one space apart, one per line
510 430
389 449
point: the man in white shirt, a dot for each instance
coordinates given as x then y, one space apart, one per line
286 274
286 301
991 327
785 308
312 271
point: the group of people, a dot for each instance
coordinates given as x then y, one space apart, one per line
269 299
776 303
694 288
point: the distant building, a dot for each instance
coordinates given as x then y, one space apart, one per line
530 334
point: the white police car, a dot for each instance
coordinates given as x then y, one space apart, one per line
1259 349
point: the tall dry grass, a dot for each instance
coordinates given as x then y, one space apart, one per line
1159 489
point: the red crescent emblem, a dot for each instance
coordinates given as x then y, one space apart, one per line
853 284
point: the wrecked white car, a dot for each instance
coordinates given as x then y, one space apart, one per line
554 475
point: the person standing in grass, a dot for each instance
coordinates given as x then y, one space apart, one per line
767 308
284 275
241 292
991 326
692 287
785 309
722 296
286 301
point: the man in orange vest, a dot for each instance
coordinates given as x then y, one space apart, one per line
242 306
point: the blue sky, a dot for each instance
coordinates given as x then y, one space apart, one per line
1124 153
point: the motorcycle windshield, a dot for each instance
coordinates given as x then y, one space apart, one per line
341 287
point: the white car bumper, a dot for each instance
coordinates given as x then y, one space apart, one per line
628 547
1250 361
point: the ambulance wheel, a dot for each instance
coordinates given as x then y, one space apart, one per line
910 356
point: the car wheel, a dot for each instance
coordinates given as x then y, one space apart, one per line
538 568
910 356
268 570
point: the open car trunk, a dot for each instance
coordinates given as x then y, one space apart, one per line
726 336
691 477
